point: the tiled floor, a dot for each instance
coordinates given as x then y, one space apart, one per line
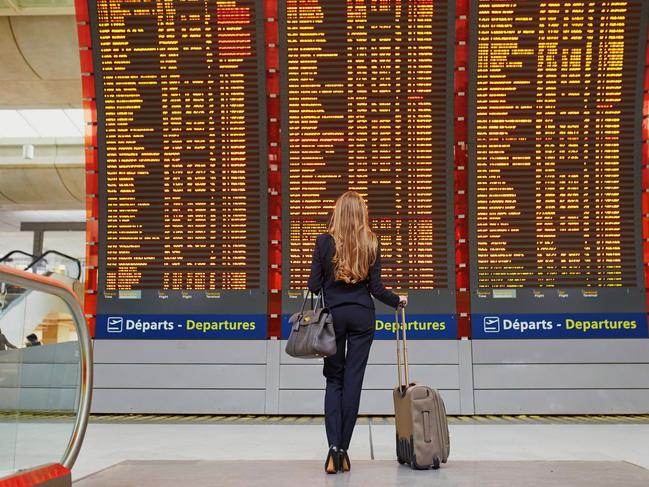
366 473
108 444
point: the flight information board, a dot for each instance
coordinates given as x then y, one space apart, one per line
555 157
367 98
181 149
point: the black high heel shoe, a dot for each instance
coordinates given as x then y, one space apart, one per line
332 463
345 464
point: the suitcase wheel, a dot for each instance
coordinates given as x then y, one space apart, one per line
415 466
413 459
402 454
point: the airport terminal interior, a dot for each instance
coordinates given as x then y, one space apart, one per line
166 167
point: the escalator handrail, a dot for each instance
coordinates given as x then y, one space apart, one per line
38 282
56 252
9 254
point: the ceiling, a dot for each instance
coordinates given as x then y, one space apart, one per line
39 62
40 100
42 161
36 7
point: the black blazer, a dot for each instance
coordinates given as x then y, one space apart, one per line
337 293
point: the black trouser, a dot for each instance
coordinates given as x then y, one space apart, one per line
344 371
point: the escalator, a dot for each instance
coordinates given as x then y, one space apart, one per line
37 310
48 263
45 385
8 293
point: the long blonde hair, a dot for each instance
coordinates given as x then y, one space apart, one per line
356 243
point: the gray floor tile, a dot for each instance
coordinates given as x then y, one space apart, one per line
367 474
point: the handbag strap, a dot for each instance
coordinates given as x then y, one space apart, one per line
319 298
308 294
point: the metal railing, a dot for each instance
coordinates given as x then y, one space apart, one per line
42 257
76 355
34 260
8 255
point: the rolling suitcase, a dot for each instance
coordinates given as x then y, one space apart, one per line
420 416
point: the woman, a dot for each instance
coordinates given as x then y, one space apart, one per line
347 268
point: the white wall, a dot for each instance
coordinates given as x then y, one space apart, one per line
16 241
70 243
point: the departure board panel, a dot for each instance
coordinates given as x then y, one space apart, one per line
555 101
368 99
181 143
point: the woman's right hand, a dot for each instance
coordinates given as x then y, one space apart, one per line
403 301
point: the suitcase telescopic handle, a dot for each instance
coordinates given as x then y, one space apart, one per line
401 344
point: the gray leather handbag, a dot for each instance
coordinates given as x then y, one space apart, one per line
312 331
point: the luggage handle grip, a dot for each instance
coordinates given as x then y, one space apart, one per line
404 345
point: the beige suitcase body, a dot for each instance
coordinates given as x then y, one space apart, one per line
420 417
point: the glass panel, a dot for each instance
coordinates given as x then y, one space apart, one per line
12 319
18 261
61 266
49 380
69 243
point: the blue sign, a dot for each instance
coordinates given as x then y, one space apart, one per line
182 327
420 327
577 325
